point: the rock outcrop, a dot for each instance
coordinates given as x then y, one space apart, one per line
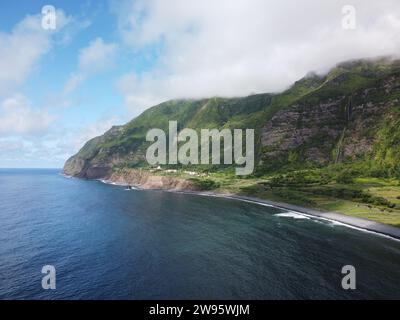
146 180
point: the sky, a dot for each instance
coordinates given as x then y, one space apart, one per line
106 61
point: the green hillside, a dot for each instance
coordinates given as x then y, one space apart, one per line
330 142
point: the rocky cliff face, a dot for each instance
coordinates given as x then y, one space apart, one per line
320 120
146 180
311 128
334 129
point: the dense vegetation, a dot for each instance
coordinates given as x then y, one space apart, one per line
331 141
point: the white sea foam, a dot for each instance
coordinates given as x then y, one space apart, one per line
111 182
65 175
291 214
131 188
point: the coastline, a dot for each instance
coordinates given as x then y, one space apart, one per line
349 221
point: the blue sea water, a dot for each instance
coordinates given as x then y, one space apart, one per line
109 243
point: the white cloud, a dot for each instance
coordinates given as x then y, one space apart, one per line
75 26
232 48
93 130
17 116
50 148
29 135
30 152
73 82
19 51
98 56
22 48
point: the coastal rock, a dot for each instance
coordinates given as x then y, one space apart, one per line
145 180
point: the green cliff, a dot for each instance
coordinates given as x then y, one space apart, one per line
313 140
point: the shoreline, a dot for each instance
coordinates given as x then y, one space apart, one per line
360 224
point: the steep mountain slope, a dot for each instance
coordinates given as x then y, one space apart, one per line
344 119
350 114
125 146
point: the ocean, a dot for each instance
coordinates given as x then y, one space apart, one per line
106 242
